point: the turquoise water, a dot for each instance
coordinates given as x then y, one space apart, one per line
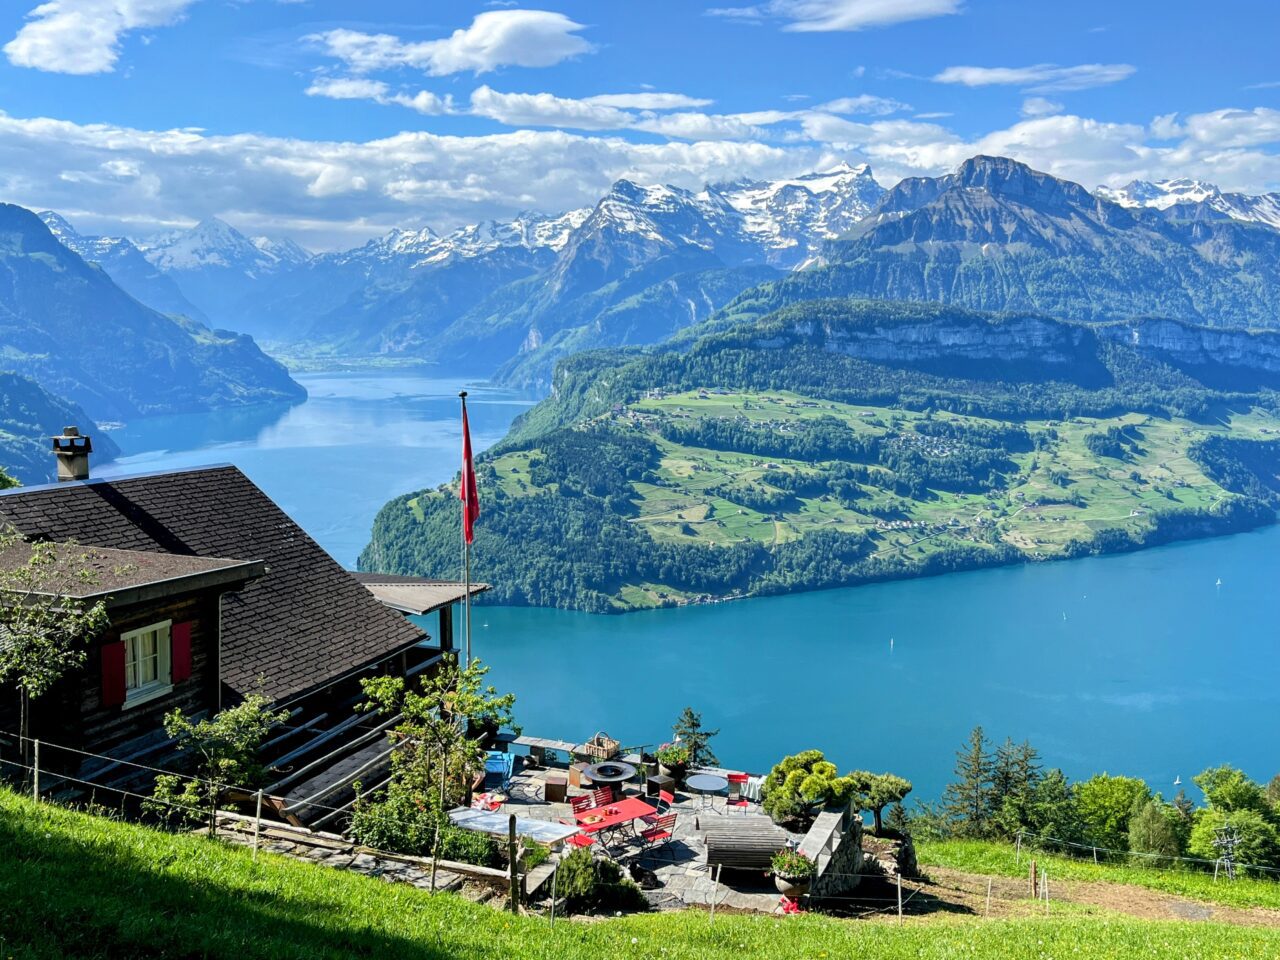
1137 663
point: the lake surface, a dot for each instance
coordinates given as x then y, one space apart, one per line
1138 664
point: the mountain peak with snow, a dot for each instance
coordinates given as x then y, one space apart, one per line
1184 196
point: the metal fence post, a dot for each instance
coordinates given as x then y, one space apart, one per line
554 874
514 858
257 825
715 890
899 896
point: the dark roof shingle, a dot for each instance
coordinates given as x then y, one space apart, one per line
304 624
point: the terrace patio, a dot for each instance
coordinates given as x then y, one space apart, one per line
674 874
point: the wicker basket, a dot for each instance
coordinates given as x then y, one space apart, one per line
601 747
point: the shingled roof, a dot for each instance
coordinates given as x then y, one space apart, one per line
304 624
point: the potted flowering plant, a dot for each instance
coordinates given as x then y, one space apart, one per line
674 761
792 872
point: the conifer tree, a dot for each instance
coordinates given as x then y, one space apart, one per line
967 801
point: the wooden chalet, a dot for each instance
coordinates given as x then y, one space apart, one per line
214 593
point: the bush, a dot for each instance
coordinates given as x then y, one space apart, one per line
404 823
590 884
798 783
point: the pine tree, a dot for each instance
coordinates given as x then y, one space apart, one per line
967 802
688 732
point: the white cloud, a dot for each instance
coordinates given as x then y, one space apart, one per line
362 88
348 88
546 110
83 36
338 193
648 101
1040 107
496 38
829 15
864 103
1040 78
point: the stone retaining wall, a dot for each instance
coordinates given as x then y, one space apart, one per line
834 843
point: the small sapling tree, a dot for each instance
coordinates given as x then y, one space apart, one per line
44 625
226 750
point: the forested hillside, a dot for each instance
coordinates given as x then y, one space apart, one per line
842 441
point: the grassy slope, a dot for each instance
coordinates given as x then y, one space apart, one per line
75 886
678 507
999 859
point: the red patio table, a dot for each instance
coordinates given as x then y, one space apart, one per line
613 815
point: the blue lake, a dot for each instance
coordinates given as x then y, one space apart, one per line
1138 663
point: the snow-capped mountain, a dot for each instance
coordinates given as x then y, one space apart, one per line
215 243
218 267
1192 199
793 218
125 264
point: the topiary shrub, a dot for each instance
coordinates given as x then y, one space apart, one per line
589 884
801 783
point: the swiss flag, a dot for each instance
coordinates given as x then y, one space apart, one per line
467 492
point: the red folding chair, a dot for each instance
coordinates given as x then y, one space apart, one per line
736 782
665 800
601 796
581 804
578 839
660 833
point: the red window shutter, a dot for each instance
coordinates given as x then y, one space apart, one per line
180 652
113 674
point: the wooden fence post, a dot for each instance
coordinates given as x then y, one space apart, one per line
988 913
1033 884
35 774
515 864
1018 853
554 874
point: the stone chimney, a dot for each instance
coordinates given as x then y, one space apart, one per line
72 451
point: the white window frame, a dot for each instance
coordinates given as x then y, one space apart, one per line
163 684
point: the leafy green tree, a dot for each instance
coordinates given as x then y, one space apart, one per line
44 627
1273 793
1153 829
226 755
1105 804
875 791
1228 789
688 731
435 753
1259 840
967 801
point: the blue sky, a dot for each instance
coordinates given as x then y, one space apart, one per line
334 121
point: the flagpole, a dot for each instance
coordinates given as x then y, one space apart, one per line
466 561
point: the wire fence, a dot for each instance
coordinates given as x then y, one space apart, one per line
1048 842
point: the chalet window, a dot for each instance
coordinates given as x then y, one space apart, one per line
147 671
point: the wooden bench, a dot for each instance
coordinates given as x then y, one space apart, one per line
741 843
